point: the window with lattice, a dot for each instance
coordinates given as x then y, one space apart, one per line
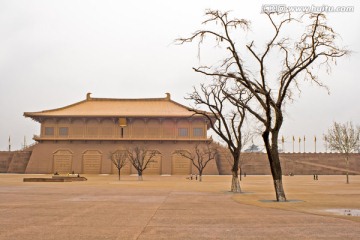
198 132
49 131
63 131
183 132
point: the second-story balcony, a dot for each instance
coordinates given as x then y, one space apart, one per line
117 138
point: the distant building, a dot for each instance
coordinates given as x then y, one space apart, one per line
252 148
81 136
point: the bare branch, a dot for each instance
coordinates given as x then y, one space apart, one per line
140 157
203 155
299 56
343 138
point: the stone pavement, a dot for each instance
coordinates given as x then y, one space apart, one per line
157 208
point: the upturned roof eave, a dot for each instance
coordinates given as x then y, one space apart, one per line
39 114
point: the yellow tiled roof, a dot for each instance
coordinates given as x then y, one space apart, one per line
106 107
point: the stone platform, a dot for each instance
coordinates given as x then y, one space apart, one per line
56 178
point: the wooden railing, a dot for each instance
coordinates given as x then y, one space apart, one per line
101 138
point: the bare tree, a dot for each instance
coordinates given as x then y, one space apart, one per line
270 86
119 159
140 157
343 138
203 155
228 121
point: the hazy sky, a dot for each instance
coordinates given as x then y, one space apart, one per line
53 52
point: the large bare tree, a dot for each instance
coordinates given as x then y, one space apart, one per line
343 138
140 157
202 155
227 121
254 68
119 159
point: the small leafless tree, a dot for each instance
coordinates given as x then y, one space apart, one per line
255 69
343 138
140 157
119 159
226 120
203 154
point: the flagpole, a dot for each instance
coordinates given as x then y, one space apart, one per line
325 145
24 142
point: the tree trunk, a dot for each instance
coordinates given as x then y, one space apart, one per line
140 178
240 173
235 183
119 173
347 169
200 177
275 166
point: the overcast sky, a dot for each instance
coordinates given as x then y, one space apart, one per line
53 52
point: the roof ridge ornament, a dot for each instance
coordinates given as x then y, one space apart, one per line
88 97
168 96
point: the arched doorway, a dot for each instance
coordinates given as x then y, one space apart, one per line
154 167
180 165
92 162
62 161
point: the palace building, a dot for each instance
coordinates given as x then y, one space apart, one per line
81 137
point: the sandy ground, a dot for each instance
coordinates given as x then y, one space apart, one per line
172 207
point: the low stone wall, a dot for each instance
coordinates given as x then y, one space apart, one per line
251 163
319 163
294 163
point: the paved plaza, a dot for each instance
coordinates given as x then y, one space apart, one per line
172 207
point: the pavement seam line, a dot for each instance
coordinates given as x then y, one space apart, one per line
142 231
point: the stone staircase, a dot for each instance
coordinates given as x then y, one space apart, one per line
5 159
19 162
15 161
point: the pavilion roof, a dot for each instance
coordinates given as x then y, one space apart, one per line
109 107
